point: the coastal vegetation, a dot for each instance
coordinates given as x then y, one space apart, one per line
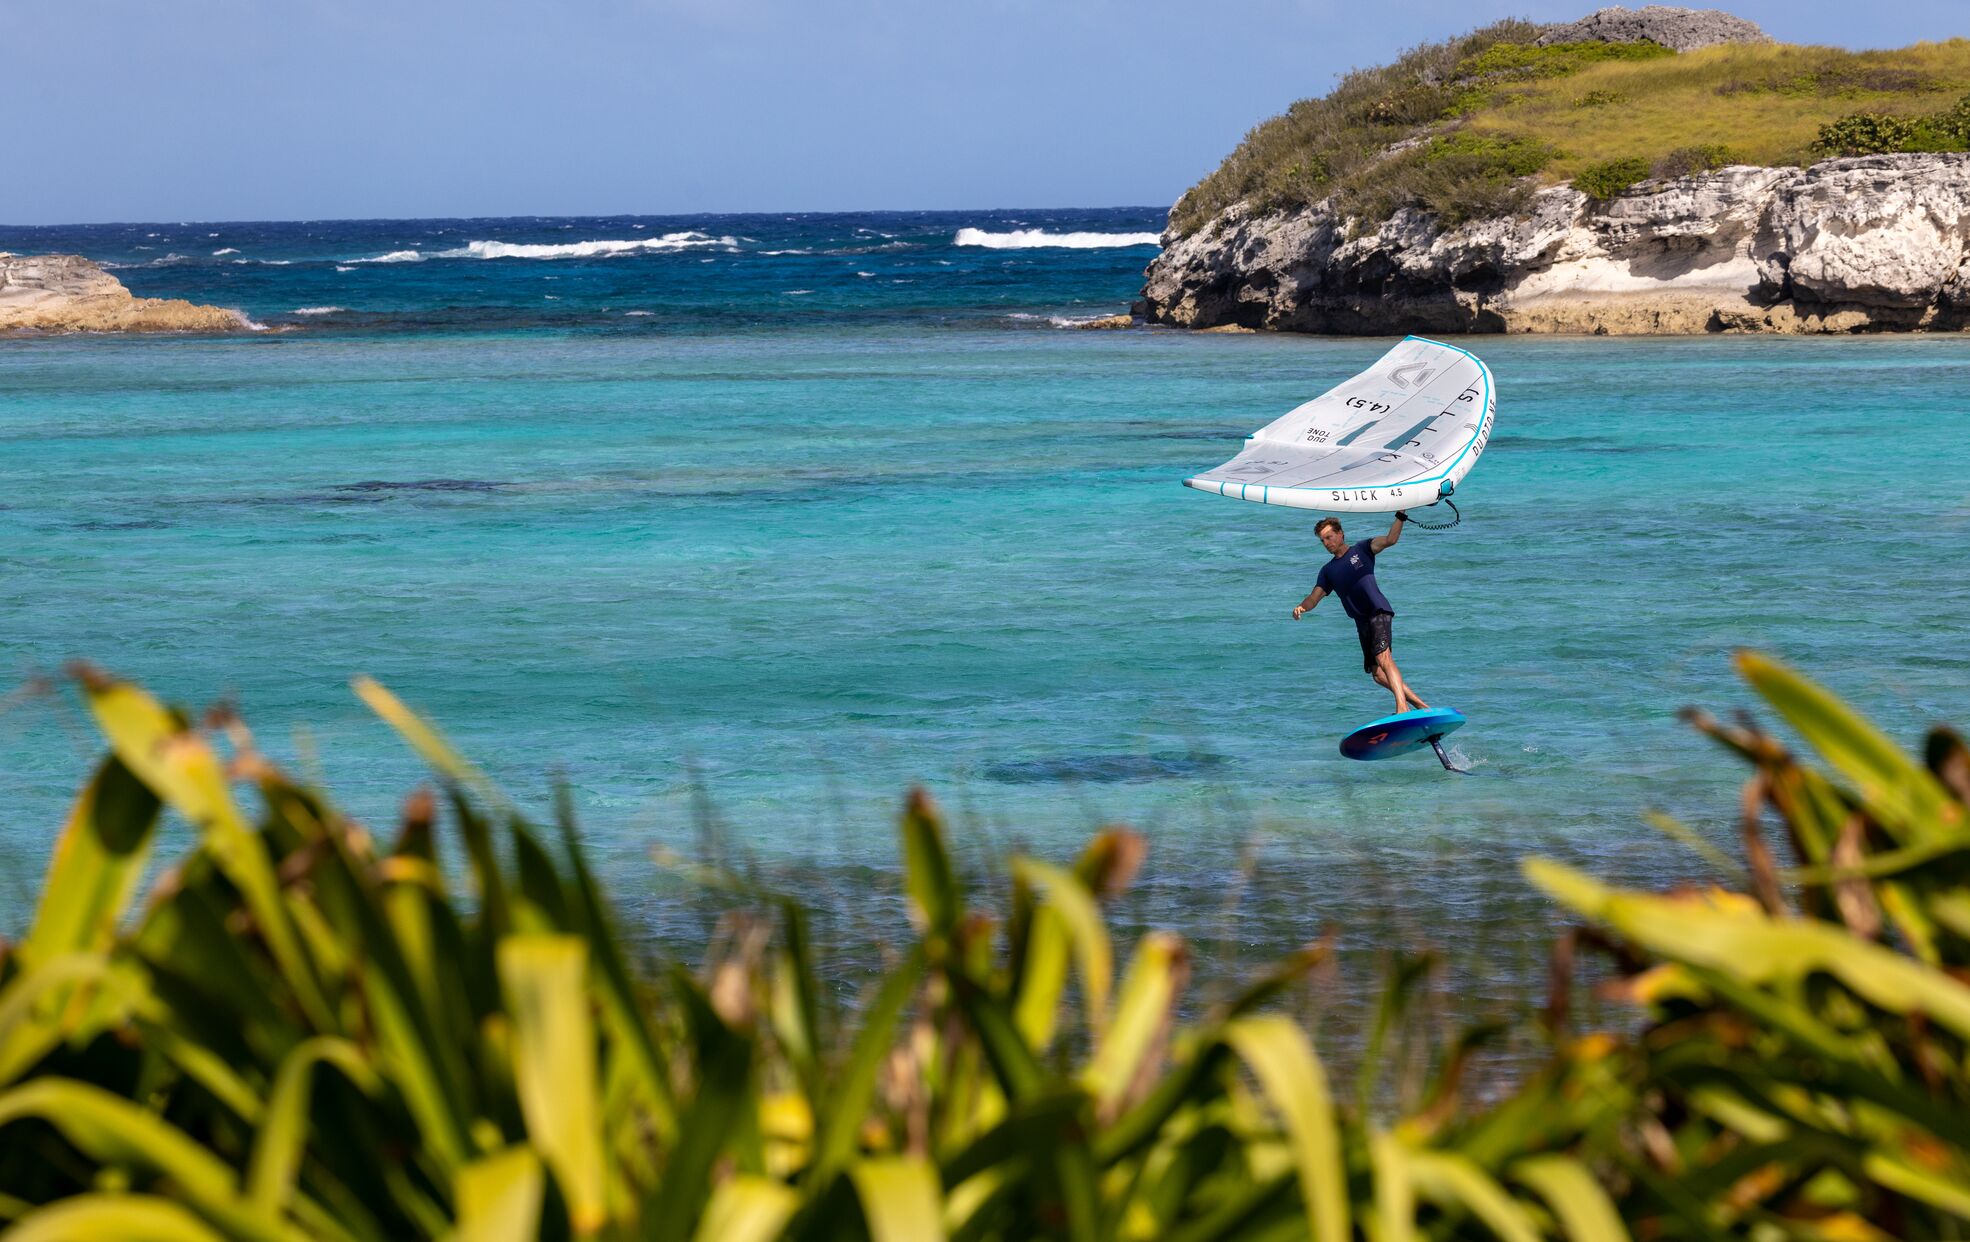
301 1031
1468 127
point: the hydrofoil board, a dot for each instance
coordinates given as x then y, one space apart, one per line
1404 732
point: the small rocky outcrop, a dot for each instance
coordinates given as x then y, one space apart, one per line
1875 242
1681 29
67 293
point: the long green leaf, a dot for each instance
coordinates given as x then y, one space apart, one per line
1068 913
284 1132
1946 1194
1451 1180
747 1208
899 1197
930 881
499 1197
1904 796
613 979
103 1217
96 864
855 1083
112 1130
428 742
725 1105
413 1043
1739 940
1583 1208
1279 1056
1395 1190
31 1017
545 979
1142 1012
179 766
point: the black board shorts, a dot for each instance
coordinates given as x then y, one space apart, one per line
1377 634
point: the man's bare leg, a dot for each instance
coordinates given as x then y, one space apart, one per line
1389 676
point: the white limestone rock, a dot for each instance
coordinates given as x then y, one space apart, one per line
1856 244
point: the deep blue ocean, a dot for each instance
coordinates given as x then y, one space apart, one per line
743 524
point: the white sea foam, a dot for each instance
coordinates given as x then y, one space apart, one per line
342 268
586 249
225 250
1033 239
794 293
638 314
252 325
800 251
395 256
319 310
865 275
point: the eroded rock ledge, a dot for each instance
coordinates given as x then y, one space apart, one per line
68 293
1872 243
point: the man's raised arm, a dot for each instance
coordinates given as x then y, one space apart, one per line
1382 543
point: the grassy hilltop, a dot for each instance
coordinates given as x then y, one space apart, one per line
1469 127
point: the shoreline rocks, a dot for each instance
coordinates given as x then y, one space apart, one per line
63 293
1874 243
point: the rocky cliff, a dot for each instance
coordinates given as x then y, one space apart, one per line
1876 242
68 293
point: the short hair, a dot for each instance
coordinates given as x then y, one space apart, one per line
1320 527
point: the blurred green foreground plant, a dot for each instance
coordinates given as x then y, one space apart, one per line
302 1035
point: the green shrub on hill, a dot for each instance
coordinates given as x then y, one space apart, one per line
1865 133
1460 177
301 1032
1524 61
1872 133
1610 177
1701 158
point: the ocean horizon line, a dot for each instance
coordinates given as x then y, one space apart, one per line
752 214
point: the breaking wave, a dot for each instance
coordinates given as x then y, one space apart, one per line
586 249
225 250
395 256
1032 239
319 310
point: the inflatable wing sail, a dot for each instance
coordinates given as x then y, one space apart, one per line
1400 435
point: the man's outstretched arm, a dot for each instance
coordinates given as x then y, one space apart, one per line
1306 605
1382 543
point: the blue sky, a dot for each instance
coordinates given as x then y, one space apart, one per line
292 109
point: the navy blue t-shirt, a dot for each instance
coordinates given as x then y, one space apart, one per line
1351 575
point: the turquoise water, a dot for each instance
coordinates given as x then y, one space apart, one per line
786 567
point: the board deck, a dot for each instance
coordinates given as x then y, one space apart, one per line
1401 733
